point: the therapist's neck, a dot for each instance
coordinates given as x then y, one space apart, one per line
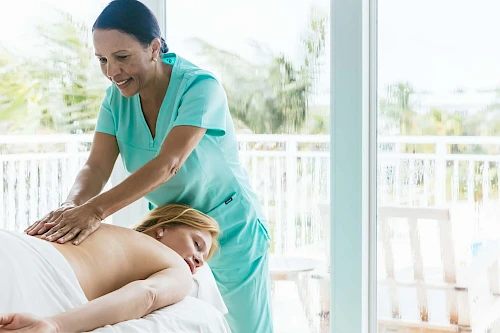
154 92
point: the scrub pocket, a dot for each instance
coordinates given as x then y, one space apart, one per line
244 237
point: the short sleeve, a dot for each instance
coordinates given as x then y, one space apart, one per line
105 121
204 104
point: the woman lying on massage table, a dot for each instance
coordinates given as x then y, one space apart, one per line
123 274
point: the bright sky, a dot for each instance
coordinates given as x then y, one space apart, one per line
231 24
440 44
436 45
19 21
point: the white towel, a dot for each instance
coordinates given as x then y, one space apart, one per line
205 288
187 316
35 277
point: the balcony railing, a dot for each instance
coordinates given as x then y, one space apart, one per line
291 173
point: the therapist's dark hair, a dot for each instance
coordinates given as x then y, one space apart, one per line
133 18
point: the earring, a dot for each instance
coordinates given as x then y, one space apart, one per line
154 59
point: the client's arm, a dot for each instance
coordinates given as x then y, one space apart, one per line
132 301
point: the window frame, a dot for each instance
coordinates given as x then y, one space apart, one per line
158 7
353 160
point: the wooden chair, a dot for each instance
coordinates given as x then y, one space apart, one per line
457 302
472 303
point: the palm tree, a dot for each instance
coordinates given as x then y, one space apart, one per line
58 92
72 73
487 121
395 112
269 95
17 95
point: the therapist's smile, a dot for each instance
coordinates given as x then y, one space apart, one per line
122 83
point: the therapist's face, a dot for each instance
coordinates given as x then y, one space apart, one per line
125 61
193 245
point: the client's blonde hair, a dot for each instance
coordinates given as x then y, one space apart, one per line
174 215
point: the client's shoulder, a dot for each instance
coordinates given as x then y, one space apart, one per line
140 246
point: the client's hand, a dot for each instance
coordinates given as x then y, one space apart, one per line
26 323
77 222
40 226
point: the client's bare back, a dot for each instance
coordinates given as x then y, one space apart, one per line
114 256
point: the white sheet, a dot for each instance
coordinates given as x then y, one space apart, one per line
190 315
36 278
205 288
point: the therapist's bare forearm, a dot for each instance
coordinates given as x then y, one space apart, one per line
143 181
88 184
129 302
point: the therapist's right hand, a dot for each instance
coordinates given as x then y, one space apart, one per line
39 227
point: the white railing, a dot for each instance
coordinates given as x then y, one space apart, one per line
289 172
440 176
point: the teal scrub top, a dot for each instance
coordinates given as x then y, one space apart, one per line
212 178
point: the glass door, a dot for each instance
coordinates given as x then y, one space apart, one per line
438 165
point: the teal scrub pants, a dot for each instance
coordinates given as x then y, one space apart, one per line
246 290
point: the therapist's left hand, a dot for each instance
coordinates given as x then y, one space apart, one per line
76 223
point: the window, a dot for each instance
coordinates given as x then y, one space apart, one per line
438 182
50 83
275 70
55 84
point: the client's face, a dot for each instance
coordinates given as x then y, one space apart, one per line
191 244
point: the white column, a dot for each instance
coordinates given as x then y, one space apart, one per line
158 8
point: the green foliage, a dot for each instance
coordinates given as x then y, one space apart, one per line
398 117
59 91
270 94
395 111
17 92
